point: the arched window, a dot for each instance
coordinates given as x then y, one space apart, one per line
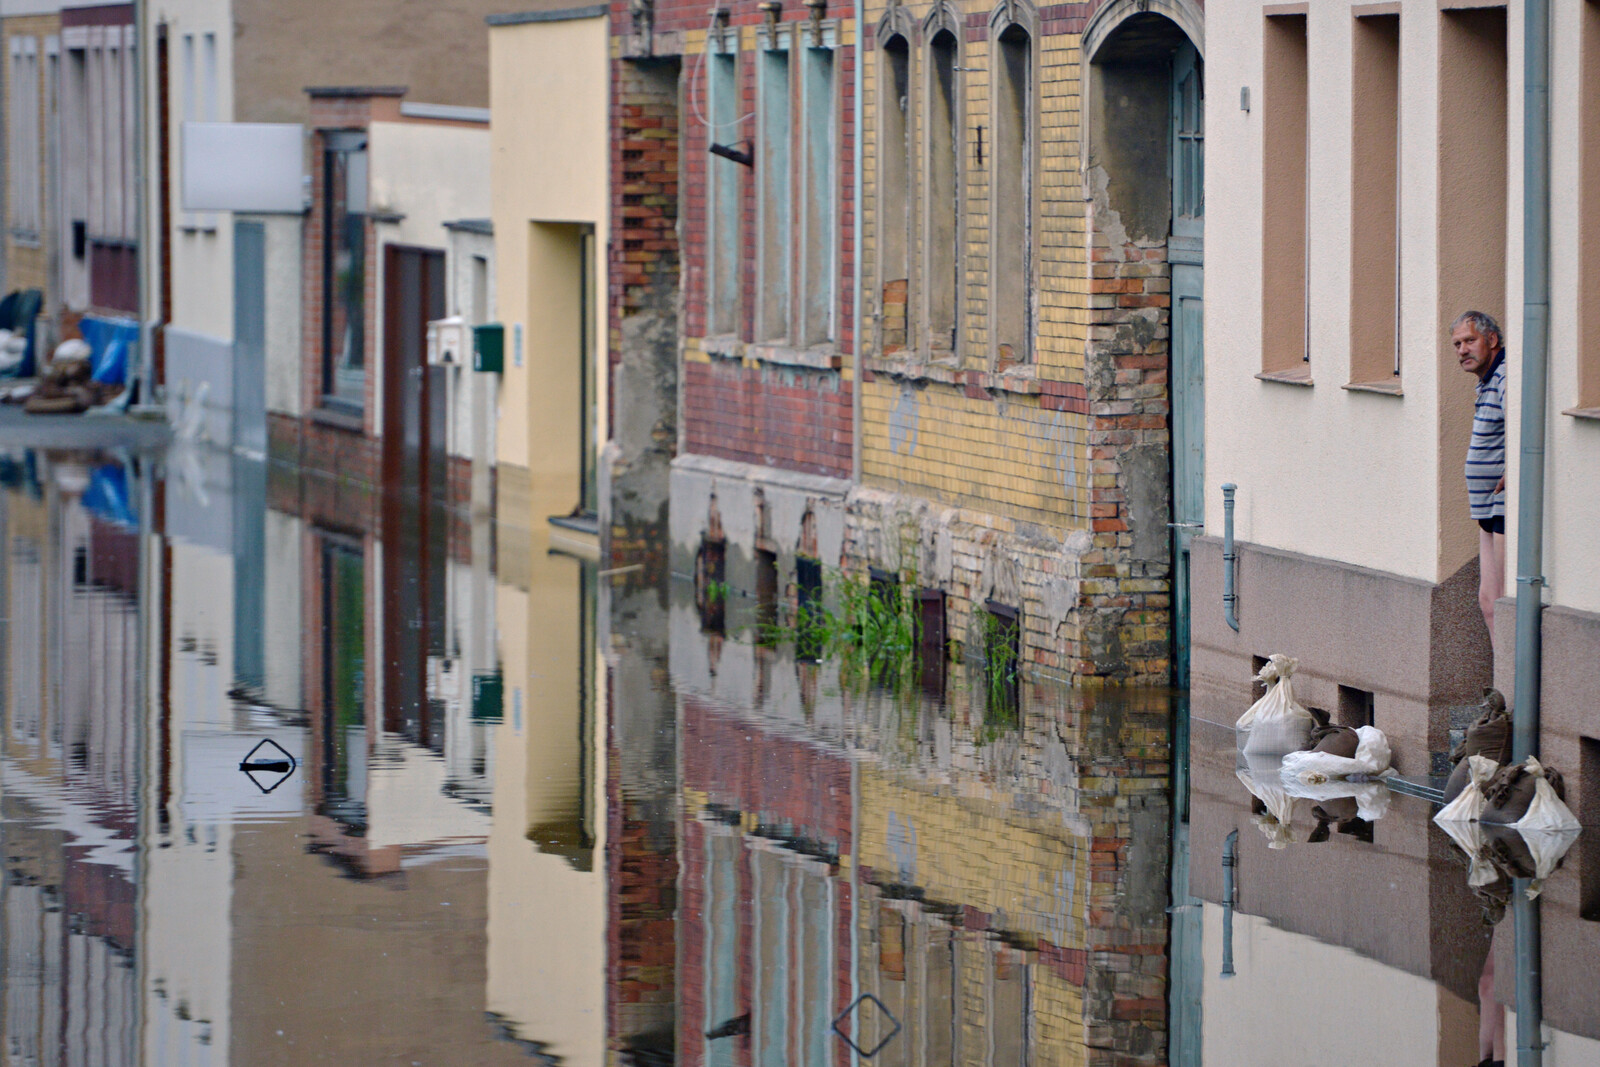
942 233
1011 198
894 191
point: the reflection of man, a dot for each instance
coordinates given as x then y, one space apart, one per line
1477 340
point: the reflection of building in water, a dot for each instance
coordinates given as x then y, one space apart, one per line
1360 920
70 748
1000 879
547 894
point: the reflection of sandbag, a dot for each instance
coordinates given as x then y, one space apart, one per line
1467 804
1277 724
1371 759
1276 821
1530 854
1527 795
1489 736
1335 796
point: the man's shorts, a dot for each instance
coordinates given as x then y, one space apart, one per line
1494 525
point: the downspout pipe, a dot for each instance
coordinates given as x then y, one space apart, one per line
1230 558
1230 860
1530 481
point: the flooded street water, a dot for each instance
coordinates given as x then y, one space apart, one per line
291 774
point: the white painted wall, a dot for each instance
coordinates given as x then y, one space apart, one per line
1322 470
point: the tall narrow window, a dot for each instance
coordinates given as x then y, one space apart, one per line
1284 337
894 194
344 268
210 109
1011 198
1589 209
23 141
722 229
819 180
1375 201
944 158
773 136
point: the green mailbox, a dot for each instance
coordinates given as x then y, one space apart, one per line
488 697
489 348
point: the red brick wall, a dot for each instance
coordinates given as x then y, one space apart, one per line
772 416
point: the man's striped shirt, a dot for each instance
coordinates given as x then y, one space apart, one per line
1486 455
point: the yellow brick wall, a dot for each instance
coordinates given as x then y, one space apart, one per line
1004 453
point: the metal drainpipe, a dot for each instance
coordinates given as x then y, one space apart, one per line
855 253
1230 860
1230 598
1530 482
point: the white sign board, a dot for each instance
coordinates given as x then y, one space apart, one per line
243 166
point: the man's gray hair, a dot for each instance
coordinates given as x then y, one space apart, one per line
1481 321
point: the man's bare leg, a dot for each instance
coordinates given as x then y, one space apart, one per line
1491 574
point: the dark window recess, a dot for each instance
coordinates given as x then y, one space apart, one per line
766 589
885 588
931 640
80 566
808 598
1002 652
1355 706
80 238
710 584
1587 809
1258 689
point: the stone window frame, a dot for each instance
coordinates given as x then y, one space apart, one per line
943 18
1005 16
723 316
897 22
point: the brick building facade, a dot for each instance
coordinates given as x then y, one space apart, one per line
1015 405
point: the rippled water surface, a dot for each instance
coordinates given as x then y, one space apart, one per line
291 775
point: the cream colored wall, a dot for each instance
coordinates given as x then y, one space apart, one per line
1571 562
1293 992
547 920
548 87
1345 475
202 242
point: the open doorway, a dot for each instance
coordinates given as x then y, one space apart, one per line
563 354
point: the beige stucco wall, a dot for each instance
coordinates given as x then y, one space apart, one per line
548 87
1351 476
1571 562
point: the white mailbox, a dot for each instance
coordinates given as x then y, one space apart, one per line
449 343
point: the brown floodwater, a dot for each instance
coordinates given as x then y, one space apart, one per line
295 774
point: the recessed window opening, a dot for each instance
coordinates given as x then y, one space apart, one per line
808 599
1355 706
776 214
1375 277
1002 654
722 259
1588 384
818 280
1285 339
710 585
943 196
344 268
1011 198
1258 688
1587 809
766 588
931 641
894 194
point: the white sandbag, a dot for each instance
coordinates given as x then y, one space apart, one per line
1372 798
1468 804
1277 824
72 348
1371 760
1277 724
1547 811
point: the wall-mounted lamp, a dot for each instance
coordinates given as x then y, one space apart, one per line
744 158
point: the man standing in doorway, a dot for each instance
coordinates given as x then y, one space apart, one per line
1477 340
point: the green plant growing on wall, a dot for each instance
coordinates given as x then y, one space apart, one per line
871 628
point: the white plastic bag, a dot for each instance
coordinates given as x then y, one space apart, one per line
1468 804
1276 723
1371 759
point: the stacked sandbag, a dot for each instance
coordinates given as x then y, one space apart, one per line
1529 796
1276 723
1489 737
1340 753
67 386
1512 821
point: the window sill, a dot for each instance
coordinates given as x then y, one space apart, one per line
722 346
1286 377
1381 388
583 522
337 419
817 357
1023 380
1592 414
